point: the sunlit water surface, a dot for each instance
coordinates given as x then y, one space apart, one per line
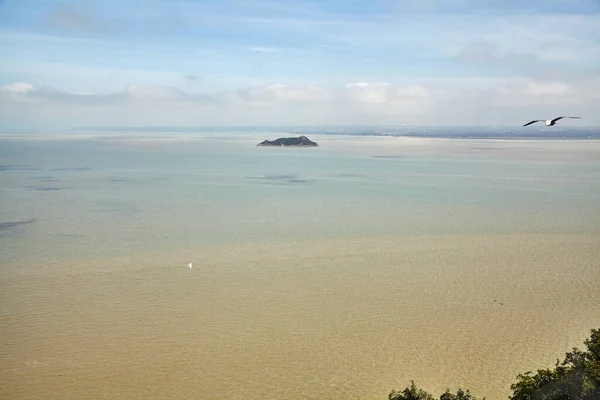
341 271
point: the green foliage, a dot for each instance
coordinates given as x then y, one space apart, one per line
414 393
460 395
411 393
576 378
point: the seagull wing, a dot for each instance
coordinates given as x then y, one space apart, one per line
556 119
533 122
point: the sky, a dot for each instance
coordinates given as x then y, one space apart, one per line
302 62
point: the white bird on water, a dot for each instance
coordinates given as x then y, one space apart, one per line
548 122
190 265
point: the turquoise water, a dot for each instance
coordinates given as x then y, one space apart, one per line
100 195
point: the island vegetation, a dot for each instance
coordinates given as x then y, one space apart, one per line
577 377
301 141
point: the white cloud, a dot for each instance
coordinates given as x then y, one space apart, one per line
276 93
416 98
17 88
412 91
304 93
360 102
260 49
69 18
366 84
154 93
477 51
366 92
545 89
191 78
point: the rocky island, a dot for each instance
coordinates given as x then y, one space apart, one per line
295 142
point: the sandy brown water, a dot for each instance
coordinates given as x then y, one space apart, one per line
345 318
454 263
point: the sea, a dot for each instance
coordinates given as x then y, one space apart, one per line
454 257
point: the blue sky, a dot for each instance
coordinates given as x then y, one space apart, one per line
195 62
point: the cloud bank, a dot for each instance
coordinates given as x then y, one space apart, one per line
180 62
495 103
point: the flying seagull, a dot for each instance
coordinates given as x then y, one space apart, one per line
190 265
548 123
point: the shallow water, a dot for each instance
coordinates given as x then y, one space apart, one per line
102 195
343 271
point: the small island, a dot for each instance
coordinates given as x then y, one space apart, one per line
301 141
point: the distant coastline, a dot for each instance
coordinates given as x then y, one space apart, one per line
450 132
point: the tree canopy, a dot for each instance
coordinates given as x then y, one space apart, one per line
577 377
